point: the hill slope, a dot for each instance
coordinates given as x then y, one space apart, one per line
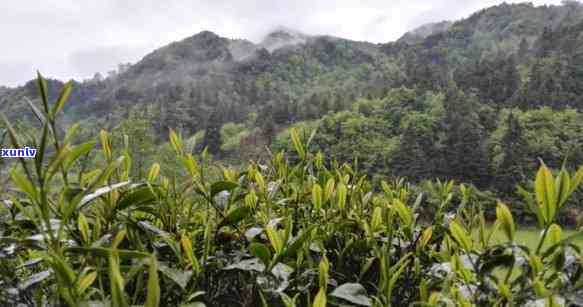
507 56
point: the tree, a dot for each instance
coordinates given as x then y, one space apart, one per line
511 79
312 107
268 129
545 43
325 105
495 79
523 50
141 141
573 80
464 157
545 83
425 76
267 123
532 96
281 114
212 137
97 77
514 147
338 103
411 160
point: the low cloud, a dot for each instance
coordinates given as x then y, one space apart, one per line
69 38
85 62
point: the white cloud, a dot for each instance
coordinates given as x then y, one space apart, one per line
69 38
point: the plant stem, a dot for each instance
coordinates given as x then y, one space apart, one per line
542 240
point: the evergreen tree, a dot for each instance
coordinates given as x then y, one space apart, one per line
311 107
511 80
212 137
267 124
412 160
464 157
545 43
515 152
141 141
495 79
268 130
534 95
523 51
573 80
281 113
337 103
325 106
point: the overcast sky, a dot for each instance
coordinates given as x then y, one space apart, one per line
76 38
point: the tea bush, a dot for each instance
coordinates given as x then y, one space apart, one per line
307 233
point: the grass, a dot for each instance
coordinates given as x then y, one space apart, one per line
528 236
531 236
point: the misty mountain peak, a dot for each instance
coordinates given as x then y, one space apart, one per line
425 30
205 35
282 37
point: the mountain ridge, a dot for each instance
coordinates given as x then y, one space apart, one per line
209 72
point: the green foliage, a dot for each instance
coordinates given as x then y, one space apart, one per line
512 167
303 233
237 98
212 138
551 135
137 137
232 134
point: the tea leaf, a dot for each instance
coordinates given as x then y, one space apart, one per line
377 218
275 239
176 143
99 192
426 236
504 216
576 180
341 192
189 251
63 97
403 211
24 185
153 173
43 91
555 234
178 276
353 293
86 281
292 249
137 196
460 235
77 152
324 267
234 216
260 251
317 197
105 252
546 192
83 227
153 293
116 282
221 186
105 146
320 299
298 143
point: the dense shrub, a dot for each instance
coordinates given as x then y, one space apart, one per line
307 233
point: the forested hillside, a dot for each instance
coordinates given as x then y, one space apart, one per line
445 100
442 169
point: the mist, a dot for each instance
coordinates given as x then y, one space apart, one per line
75 39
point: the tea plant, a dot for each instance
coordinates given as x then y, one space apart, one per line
307 233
